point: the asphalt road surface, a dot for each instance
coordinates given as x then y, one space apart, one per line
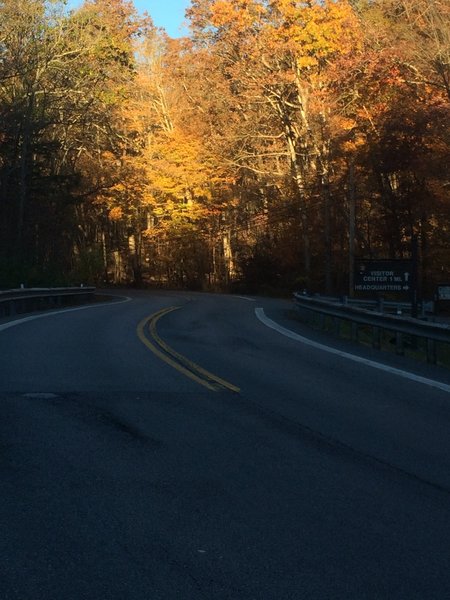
178 446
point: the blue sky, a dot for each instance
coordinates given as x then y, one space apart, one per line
165 13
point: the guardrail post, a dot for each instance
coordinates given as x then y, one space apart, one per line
399 346
336 326
376 337
431 352
321 320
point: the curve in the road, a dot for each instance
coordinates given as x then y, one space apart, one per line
176 360
48 313
260 314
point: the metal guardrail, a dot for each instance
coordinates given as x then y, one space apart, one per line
381 305
24 300
401 326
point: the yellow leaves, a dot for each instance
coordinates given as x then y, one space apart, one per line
305 62
313 32
327 30
116 213
222 13
148 199
179 166
236 14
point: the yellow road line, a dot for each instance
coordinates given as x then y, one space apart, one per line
176 360
182 359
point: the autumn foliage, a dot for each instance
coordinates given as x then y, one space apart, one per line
267 150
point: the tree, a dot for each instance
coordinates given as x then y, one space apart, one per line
275 57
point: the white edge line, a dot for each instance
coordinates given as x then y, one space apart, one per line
58 312
245 298
259 312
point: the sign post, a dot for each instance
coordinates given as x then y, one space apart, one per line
415 275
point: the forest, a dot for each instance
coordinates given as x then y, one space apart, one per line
265 152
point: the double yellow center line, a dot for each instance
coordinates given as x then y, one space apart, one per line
176 360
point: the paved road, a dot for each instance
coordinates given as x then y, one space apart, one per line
201 454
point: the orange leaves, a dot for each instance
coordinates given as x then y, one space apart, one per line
116 213
320 31
307 29
236 14
178 165
223 13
